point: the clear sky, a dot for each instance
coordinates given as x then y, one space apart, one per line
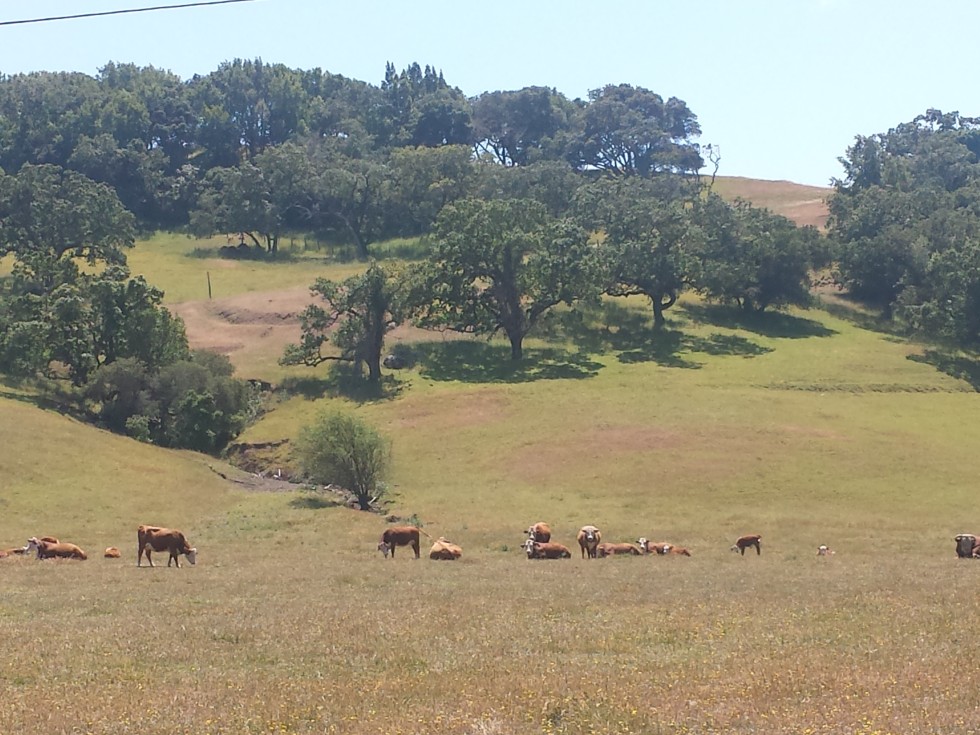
781 86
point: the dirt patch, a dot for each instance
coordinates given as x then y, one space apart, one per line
259 322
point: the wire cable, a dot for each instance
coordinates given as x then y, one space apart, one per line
121 12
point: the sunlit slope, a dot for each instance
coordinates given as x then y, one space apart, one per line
805 205
66 479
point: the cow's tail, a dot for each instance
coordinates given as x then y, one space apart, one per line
425 534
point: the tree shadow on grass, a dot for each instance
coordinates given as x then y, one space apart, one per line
964 367
340 382
310 501
630 334
483 362
767 324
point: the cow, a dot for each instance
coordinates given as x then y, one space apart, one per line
443 550
539 532
17 551
967 545
588 539
546 550
662 547
744 542
156 538
399 536
823 550
61 550
112 553
607 549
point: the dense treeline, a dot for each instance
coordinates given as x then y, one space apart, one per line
528 200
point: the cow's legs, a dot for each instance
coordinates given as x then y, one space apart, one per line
415 548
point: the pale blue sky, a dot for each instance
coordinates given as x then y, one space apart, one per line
781 86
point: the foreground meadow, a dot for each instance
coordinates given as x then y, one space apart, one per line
803 427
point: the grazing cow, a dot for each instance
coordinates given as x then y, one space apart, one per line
155 538
112 553
744 542
588 539
825 551
443 550
546 550
48 550
967 545
539 532
399 536
604 549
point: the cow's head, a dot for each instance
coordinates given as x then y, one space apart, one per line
528 547
643 543
33 545
734 547
191 556
384 548
965 543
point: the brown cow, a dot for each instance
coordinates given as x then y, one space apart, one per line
824 550
112 553
603 550
588 539
399 536
156 538
539 532
662 547
18 551
546 550
48 550
444 550
744 542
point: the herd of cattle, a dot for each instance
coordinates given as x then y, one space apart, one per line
538 545
149 539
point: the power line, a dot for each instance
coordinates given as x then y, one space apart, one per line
121 12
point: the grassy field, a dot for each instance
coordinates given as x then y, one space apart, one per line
804 427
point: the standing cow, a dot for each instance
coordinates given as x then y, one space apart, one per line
399 536
588 540
744 542
155 538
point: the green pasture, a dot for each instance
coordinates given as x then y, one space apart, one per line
805 427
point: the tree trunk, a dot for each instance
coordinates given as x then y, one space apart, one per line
661 302
516 347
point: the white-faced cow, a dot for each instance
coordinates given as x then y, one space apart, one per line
399 536
546 550
662 548
607 549
156 538
824 550
443 550
539 532
744 542
60 550
589 538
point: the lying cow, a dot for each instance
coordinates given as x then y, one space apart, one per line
156 538
443 550
607 549
17 551
112 553
589 538
662 547
539 532
744 542
399 536
61 550
823 550
967 545
546 550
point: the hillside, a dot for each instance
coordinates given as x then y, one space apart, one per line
805 205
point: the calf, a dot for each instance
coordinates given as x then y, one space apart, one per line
588 539
155 538
112 553
47 550
399 536
546 550
603 550
539 532
444 550
744 542
825 551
